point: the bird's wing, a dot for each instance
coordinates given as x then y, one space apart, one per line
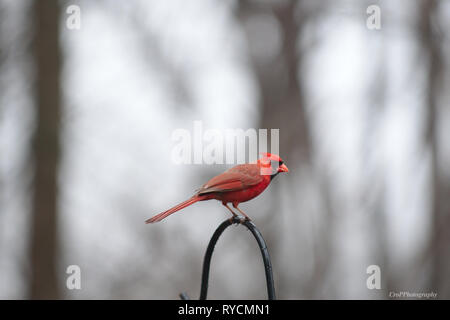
237 178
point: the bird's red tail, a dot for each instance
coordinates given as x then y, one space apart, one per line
180 206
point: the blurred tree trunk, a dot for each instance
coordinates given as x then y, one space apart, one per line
281 94
282 105
46 152
431 40
374 194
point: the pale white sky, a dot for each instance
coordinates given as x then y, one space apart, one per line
121 111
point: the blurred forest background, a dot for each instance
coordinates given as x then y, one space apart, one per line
86 118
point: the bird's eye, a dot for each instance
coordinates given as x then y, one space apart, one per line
280 163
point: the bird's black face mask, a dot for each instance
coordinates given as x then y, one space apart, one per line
275 165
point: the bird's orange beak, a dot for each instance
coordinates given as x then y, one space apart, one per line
283 168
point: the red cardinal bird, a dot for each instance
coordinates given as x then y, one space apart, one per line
238 184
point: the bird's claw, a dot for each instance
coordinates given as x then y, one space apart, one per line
237 220
234 219
242 219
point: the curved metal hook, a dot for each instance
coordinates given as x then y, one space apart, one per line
212 243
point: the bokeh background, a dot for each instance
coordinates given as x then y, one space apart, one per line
86 118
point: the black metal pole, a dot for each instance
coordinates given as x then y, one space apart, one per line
265 256
262 246
208 255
